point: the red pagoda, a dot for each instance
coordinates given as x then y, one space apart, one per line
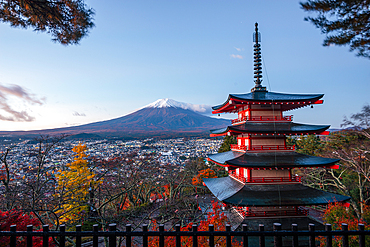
260 182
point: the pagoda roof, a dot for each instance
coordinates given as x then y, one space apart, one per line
287 101
289 128
270 160
230 191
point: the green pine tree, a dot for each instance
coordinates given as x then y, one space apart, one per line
225 146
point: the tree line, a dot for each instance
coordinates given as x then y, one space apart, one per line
126 188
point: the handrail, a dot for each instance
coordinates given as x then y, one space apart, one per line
271 147
176 235
297 179
237 147
240 178
262 118
300 211
294 179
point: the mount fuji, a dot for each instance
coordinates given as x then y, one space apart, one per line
163 103
163 118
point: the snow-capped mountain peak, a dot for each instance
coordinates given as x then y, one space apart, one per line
162 103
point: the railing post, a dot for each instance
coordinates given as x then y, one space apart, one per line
78 237
195 237
161 237
95 237
112 238
295 236
211 228
277 239
329 238
345 236
45 238
178 236
228 235
62 238
311 238
13 238
262 237
361 236
245 236
128 237
145 237
29 236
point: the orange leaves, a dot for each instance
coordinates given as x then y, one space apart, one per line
166 188
216 217
207 173
123 206
336 214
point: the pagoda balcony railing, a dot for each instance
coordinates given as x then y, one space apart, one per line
236 147
262 118
254 213
270 147
294 179
237 177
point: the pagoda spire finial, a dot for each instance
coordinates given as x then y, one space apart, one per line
257 61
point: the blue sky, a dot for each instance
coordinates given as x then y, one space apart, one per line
190 51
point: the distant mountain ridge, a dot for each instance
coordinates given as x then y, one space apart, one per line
162 118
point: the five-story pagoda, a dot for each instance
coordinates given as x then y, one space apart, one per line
260 181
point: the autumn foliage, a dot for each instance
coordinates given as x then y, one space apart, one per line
207 173
336 214
215 217
73 187
21 220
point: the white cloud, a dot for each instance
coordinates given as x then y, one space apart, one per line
77 114
239 49
21 96
236 56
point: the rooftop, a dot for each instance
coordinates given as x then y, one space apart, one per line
230 191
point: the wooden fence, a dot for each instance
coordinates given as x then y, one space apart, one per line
311 236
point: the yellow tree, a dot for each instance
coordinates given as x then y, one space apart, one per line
73 188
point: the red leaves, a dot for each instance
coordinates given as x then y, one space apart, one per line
20 219
216 217
336 214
